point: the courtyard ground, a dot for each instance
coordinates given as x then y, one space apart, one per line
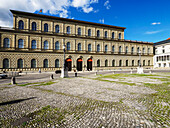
93 101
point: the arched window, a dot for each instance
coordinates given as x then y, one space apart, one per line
45 63
5 63
98 33
6 43
132 50
138 62
133 63
120 49
57 64
20 63
98 63
46 44
89 32
21 24
126 49
33 63
45 27
126 62
120 63
68 46
119 35
57 45
89 47
113 63
143 62
106 63
105 34
34 26
113 35
57 28
105 48
149 62
143 51
68 29
113 48
20 43
79 46
33 44
79 31
138 50
98 48
148 50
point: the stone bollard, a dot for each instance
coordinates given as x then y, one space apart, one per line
13 80
51 77
75 74
113 72
131 72
95 73
150 71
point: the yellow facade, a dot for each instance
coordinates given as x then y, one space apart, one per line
101 47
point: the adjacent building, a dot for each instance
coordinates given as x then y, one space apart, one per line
36 42
162 54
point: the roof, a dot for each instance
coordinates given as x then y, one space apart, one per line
63 19
162 42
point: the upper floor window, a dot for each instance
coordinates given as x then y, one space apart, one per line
113 48
120 35
45 27
68 29
5 63
33 63
57 28
46 44
20 63
34 26
33 44
89 32
79 46
89 47
21 24
113 35
106 48
148 50
68 46
6 43
98 33
138 50
132 50
20 43
98 48
57 45
105 34
143 50
126 49
79 31
120 49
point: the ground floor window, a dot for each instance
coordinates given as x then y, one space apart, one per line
20 63
33 63
98 63
45 64
57 65
5 63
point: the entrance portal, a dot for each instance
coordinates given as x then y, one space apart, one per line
89 64
79 64
68 64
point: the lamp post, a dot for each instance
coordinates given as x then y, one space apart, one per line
64 71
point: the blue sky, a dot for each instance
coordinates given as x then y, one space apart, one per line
145 20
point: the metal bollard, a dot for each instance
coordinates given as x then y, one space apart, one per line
75 74
13 80
51 77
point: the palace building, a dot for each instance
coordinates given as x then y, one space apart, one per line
36 42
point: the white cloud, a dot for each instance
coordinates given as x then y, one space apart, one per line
107 5
153 32
59 7
155 23
101 21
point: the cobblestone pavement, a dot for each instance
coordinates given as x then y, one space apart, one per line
102 101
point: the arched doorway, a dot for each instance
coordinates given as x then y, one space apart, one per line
68 64
79 64
89 64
